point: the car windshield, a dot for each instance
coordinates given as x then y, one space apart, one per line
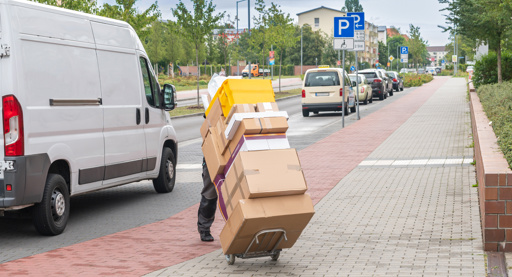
369 75
322 79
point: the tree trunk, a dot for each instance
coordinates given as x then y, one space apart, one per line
198 68
498 54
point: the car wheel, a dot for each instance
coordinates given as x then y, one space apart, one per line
391 92
305 113
166 179
381 97
346 110
353 109
50 216
402 88
371 98
315 112
365 102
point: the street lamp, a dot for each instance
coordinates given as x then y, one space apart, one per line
237 36
301 49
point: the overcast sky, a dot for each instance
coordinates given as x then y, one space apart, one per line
399 13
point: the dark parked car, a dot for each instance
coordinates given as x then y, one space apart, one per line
398 83
379 81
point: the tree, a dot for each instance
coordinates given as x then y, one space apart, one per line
197 26
417 46
383 53
393 43
482 20
313 44
352 6
279 30
125 10
87 6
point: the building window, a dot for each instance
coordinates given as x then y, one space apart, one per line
317 22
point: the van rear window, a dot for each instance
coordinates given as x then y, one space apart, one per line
322 79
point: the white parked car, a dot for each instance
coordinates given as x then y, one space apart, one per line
365 89
82 111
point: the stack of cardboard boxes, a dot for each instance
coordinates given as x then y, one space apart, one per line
258 176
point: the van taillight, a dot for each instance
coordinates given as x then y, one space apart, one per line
303 94
13 126
341 91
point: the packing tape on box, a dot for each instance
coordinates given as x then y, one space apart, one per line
294 167
248 172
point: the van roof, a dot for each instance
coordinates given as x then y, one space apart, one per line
53 9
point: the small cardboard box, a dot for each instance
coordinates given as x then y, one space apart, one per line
267 107
266 173
212 118
204 129
271 125
221 139
290 213
240 108
215 161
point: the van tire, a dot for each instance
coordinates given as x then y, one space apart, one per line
353 109
305 113
50 216
166 179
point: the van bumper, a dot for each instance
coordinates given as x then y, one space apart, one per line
323 107
27 180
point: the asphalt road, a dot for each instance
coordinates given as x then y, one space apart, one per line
117 209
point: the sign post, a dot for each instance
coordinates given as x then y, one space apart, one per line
404 54
343 40
359 27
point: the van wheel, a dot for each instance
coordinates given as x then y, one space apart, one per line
50 216
166 179
305 113
353 109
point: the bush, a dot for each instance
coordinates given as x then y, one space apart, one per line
497 102
486 69
416 80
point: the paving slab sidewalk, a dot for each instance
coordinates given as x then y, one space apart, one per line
391 200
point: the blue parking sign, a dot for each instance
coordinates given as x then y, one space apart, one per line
404 50
344 27
358 20
352 68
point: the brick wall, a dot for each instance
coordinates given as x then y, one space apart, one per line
494 182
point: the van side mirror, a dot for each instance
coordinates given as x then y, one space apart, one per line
169 97
354 83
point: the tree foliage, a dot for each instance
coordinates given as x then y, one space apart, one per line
125 10
483 20
417 46
198 26
352 6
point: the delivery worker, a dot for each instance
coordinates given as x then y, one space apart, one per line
207 206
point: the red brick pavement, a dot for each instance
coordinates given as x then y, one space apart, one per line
148 248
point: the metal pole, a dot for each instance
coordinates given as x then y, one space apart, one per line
344 92
357 87
398 60
237 22
272 69
249 28
301 51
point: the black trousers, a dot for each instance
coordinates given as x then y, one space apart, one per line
208 203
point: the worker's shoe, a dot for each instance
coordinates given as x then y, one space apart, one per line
206 236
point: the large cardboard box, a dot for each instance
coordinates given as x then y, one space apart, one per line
215 161
271 125
290 213
213 116
267 173
240 108
267 107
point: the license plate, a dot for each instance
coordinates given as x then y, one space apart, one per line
322 94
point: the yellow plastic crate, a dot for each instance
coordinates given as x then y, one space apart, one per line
240 91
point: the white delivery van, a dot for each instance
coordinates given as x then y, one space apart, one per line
81 108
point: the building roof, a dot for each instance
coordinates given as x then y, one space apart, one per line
382 28
436 48
321 7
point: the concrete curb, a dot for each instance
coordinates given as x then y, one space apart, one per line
201 114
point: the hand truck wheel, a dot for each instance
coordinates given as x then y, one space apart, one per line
275 256
230 259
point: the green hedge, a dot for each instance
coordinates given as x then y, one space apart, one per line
497 102
486 69
416 80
